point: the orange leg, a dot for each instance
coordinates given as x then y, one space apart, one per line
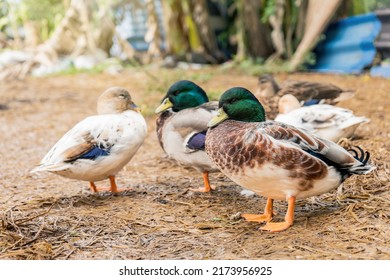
113 187
93 186
288 219
207 187
266 217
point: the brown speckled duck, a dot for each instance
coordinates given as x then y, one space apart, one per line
273 159
182 125
308 93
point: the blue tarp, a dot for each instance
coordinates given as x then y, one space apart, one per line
348 46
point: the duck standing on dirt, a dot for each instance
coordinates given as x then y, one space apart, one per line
323 120
182 125
273 159
308 93
98 147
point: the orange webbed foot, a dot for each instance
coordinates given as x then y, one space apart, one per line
202 190
266 217
115 190
288 219
276 227
207 187
257 218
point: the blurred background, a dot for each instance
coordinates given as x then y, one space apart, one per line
51 36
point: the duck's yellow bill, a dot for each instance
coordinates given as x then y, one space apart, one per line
165 105
218 118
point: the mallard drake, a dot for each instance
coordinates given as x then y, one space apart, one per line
308 93
98 147
182 125
325 121
273 159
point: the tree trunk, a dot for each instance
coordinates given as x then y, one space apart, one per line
153 35
31 31
176 40
301 22
256 33
242 48
277 34
318 16
201 18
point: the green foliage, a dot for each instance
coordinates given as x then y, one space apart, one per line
37 10
269 10
362 7
46 13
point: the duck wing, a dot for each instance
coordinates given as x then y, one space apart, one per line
191 124
305 91
89 139
329 152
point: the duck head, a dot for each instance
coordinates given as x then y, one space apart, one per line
115 100
238 104
267 86
182 95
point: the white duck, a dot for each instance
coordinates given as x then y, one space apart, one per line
326 121
98 147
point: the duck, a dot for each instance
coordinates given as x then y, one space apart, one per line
181 127
99 146
326 121
276 160
308 93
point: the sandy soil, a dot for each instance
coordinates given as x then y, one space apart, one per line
50 217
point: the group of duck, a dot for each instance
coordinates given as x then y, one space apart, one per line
293 156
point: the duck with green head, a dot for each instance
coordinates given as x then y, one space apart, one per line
273 159
182 125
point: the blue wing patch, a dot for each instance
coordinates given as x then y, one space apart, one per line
311 102
197 141
95 153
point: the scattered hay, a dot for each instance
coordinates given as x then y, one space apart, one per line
49 217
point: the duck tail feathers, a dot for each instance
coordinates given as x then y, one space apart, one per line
344 96
354 122
48 168
364 166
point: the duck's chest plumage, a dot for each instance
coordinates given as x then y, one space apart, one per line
174 131
160 124
267 166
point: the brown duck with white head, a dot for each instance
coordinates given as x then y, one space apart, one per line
273 159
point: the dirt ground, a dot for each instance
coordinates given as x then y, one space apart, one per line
50 217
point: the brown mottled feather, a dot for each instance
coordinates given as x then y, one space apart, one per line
303 91
160 122
256 147
76 151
